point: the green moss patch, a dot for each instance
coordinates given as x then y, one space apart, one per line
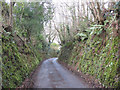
16 66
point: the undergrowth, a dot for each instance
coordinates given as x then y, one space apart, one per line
16 66
96 57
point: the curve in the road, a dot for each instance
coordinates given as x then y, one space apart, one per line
53 75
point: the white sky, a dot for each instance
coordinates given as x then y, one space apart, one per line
56 1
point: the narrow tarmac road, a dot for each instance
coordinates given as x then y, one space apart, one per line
53 75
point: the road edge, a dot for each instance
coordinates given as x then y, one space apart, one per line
29 82
90 80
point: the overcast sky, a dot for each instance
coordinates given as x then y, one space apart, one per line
56 1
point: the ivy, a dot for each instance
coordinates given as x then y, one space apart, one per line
97 60
15 67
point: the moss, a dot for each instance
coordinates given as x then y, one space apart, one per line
97 60
15 66
66 51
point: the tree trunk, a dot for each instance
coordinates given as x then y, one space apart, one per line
11 18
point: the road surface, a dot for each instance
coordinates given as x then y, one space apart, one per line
51 74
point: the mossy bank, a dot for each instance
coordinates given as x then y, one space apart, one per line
94 58
17 62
